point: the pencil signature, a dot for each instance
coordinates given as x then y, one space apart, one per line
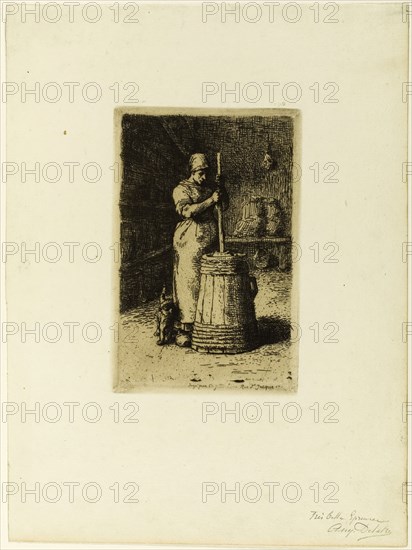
353 524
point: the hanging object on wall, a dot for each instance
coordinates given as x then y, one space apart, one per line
267 162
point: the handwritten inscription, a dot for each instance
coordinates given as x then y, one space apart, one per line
354 524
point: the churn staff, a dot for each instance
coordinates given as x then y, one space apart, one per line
196 234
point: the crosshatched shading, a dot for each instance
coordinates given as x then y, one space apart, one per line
239 332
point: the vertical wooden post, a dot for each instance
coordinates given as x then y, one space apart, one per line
220 213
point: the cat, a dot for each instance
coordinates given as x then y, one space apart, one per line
165 319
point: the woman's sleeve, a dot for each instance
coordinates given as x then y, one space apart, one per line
181 198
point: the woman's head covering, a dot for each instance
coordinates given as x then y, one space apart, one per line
198 161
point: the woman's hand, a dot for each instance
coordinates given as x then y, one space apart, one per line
190 210
216 196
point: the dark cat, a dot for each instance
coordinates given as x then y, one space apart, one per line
165 319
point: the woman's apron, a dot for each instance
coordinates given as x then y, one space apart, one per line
193 237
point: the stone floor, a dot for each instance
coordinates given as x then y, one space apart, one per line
144 365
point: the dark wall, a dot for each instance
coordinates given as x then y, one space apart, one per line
152 165
155 153
243 142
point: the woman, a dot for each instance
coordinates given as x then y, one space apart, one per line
196 234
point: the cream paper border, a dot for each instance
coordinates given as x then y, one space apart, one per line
171 452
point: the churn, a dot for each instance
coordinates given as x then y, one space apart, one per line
225 318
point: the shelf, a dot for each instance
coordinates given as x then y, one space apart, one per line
246 240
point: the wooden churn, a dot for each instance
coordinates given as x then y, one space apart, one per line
225 318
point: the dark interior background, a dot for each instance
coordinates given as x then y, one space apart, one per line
155 154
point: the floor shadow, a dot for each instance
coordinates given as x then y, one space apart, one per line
273 330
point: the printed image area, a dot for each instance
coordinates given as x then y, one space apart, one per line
205 281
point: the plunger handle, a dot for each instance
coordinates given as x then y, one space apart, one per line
220 214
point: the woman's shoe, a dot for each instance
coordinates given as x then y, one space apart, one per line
183 339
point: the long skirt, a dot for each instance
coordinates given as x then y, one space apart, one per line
191 240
